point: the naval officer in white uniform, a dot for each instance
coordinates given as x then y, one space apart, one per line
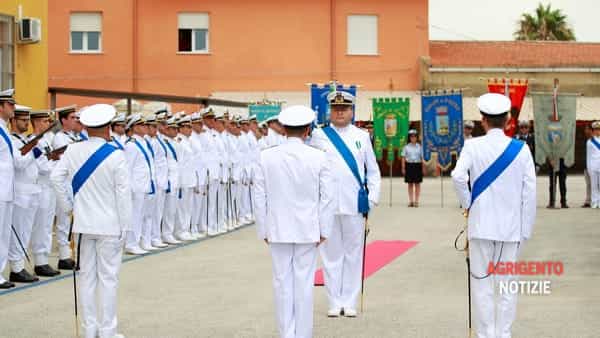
497 225
293 218
101 205
342 253
593 164
7 172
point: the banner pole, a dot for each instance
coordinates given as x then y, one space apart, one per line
442 184
391 164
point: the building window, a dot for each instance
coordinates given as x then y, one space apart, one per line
362 35
7 73
193 32
86 32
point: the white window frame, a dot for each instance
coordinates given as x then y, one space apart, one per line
193 46
352 51
7 70
84 38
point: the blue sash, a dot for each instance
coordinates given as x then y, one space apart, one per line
83 137
150 148
162 144
137 143
496 169
119 145
172 150
342 148
8 141
90 165
594 142
179 193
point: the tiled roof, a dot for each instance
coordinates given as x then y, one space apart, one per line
514 54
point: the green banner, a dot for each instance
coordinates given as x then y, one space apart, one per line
390 125
554 128
264 111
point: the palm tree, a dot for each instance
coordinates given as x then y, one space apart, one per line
545 24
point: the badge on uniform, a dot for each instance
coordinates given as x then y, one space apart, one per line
358 145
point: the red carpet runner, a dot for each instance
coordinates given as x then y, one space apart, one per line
379 254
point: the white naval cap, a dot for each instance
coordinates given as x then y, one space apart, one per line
297 116
596 125
469 124
97 115
341 98
493 104
208 112
252 117
134 119
172 121
185 120
150 119
412 132
273 118
7 96
523 123
196 117
120 118
219 115
22 110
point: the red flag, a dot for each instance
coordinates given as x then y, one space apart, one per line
516 91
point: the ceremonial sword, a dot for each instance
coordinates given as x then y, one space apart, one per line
22 248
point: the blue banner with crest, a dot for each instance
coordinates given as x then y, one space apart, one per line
318 99
442 119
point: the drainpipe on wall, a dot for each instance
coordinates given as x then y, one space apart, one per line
134 46
332 73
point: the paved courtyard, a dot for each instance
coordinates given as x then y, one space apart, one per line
221 287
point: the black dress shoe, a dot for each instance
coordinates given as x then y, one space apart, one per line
45 271
66 264
586 205
7 285
22 277
564 206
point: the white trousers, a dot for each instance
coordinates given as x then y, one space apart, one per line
198 209
588 187
138 205
22 221
213 205
41 234
159 208
200 205
493 313
63 225
169 215
148 220
98 279
595 188
293 278
6 209
184 211
223 206
341 254
245 210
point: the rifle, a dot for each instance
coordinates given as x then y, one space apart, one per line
53 154
34 141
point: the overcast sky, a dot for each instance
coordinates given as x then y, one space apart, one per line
497 19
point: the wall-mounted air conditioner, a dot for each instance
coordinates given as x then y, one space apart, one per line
30 30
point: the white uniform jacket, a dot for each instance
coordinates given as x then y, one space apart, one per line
506 210
7 166
293 194
359 143
103 204
139 172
